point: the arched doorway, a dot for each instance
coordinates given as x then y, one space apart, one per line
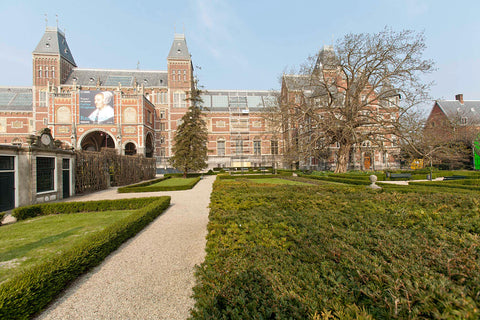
149 146
130 149
367 161
96 140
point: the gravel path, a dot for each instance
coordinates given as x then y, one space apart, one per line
150 276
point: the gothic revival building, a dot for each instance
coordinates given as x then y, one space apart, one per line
133 111
313 104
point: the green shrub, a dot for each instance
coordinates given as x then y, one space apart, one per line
29 292
155 188
342 251
31 211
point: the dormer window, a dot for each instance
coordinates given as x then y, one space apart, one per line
92 79
47 45
463 120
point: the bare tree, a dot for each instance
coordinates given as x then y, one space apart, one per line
353 95
448 142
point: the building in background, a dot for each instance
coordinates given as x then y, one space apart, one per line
133 111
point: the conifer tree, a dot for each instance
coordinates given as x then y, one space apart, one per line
190 148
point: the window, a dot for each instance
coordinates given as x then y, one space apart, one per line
162 114
53 72
463 120
162 139
40 72
238 147
149 116
257 147
46 72
220 124
162 152
45 174
220 147
162 126
274 146
184 75
179 100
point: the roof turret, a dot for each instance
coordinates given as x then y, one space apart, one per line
53 42
179 49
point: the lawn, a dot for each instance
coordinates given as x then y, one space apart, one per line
25 243
339 252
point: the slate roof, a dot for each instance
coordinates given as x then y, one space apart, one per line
231 100
179 49
54 42
454 110
111 78
16 99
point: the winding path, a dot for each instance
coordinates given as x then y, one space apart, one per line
150 276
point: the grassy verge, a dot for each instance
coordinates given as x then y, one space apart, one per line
343 252
167 184
29 291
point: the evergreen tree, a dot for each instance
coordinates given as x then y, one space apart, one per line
190 148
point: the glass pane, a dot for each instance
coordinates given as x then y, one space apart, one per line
6 163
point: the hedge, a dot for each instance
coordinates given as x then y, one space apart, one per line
249 176
338 252
31 211
26 294
339 179
152 188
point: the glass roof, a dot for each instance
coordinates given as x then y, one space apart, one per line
123 80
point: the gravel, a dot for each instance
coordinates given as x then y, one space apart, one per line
150 276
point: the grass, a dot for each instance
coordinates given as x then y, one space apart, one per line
174 182
26 243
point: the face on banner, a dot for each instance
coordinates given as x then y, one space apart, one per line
96 107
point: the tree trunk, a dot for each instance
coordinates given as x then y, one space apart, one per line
343 155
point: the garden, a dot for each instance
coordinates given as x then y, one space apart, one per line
52 244
337 250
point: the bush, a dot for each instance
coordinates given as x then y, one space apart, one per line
31 211
29 292
342 251
155 188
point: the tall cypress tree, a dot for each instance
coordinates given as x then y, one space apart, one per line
190 148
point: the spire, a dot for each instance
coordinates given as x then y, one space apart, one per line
179 49
53 42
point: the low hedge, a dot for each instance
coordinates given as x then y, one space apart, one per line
339 179
31 211
152 188
26 294
249 176
180 175
472 185
338 252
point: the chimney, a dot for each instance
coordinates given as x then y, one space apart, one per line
459 97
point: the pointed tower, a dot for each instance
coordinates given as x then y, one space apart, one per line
180 70
52 63
52 59
180 82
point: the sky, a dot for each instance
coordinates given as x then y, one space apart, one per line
244 44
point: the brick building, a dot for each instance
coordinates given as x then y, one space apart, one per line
133 111
311 104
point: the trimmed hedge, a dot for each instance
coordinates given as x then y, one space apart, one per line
26 294
472 184
31 211
152 188
247 176
339 252
335 178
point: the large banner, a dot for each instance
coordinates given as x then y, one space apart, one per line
96 107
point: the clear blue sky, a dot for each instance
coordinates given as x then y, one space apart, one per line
238 44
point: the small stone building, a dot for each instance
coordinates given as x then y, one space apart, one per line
38 173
